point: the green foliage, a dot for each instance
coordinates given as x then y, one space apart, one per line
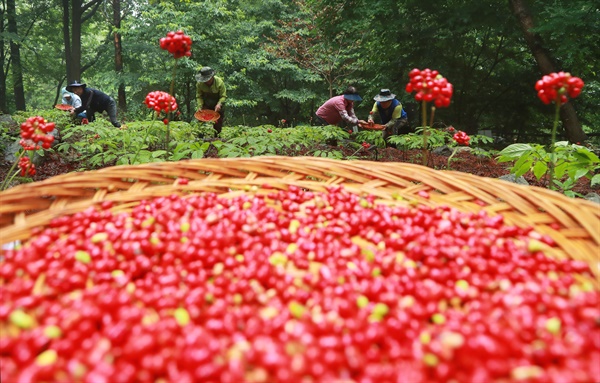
572 163
99 144
372 137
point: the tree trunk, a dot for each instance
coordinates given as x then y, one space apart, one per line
544 60
76 12
15 56
66 19
122 101
3 59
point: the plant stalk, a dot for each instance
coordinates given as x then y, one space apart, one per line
12 168
171 90
143 142
552 164
425 131
450 158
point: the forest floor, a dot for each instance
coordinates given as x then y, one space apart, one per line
55 164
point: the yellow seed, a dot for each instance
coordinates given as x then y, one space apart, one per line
99 237
430 360
182 316
53 332
46 358
83 256
362 301
553 325
438 318
21 319
296 309
185 227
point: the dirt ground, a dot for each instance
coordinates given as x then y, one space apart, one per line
463 161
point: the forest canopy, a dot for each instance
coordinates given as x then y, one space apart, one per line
282 59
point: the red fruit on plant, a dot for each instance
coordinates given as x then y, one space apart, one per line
557 87
177 43
461 138
428 86
161 102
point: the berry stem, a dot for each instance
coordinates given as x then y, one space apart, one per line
552 164
425 131
9 179
450 158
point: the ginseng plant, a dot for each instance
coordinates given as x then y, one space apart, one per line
429 86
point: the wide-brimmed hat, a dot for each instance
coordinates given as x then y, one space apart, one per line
75 84
384 95
205 74
352 94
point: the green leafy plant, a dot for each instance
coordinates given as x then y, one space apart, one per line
35 137
429 86
459 138
556 88
571 162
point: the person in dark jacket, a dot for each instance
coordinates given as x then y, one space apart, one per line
92 101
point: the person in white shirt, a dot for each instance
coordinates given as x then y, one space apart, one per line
69 98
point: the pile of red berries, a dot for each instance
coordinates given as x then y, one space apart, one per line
461 138
366 145
177 43
161 102
293 286
429 85
35 130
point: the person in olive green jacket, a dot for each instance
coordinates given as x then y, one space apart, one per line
211 94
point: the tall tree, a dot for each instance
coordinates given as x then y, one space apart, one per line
75 14
547 65
15 56
4 60
117 17
306 40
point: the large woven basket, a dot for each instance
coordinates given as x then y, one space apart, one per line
573 223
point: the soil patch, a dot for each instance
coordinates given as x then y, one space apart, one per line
55 164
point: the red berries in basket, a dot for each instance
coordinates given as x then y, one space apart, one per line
555 87
177 43
429 85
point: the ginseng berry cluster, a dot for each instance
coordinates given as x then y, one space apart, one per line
461 138
35 133
429 85
555 87
161 102
177 43
35 130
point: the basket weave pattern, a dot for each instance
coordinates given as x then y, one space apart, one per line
578 237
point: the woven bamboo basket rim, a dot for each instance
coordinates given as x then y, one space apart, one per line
27 206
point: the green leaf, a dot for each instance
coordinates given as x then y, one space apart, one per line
522 168
158 153
579 173
595 180
539 169
515 151
198 154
